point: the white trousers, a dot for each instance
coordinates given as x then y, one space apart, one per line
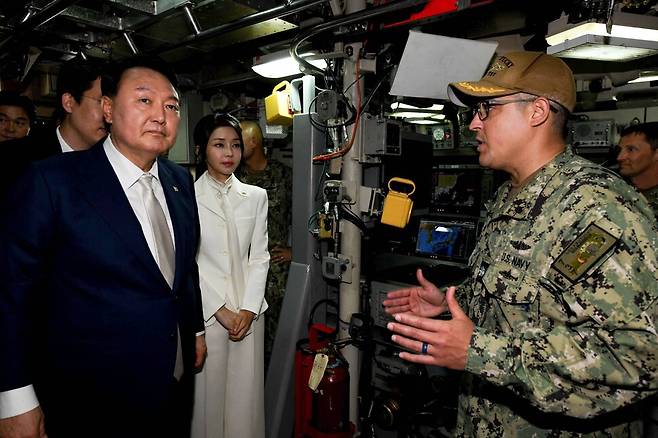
229 391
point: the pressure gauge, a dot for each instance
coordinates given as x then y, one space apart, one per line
439 133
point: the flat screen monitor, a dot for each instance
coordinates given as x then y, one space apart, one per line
457 190
447 240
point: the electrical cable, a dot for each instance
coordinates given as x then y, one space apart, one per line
354 219
343 150
356 17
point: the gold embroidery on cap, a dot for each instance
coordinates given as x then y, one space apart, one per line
501 63
479 88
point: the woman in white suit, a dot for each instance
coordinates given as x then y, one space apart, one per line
233 262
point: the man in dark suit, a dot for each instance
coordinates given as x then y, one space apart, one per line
79 118
100 331
79 113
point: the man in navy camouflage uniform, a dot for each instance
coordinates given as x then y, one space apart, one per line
638 159
555 326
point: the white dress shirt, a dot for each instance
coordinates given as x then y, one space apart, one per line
62 143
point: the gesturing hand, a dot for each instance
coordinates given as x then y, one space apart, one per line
423 300
447 341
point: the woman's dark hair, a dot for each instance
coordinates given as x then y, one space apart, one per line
205 127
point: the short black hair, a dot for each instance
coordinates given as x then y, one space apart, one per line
205 127
75 77
110 80
11 98
649 129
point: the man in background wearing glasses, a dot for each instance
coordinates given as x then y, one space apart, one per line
78 123
555 326
79 115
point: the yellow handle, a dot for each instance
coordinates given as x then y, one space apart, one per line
403 181
283 84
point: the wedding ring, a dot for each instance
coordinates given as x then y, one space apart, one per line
423 349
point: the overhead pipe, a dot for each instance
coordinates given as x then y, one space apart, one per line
191 19
34 20
356 17
258 17
131 43
47 13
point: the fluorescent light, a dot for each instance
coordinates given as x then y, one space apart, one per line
415 114
280 64
411 114
600 48
631 36
629 32
399 105
645 76
423 121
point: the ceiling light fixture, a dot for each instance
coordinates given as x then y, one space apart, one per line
280 64
429 121
645 76
418 115
631 36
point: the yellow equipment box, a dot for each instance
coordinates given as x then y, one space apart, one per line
397 205
278 108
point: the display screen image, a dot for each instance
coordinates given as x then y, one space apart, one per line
456 190
449 240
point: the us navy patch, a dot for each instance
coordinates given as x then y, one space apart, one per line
582 253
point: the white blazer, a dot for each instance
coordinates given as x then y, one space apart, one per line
249 205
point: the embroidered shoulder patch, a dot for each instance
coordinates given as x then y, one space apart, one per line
583 252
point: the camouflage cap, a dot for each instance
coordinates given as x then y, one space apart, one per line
520 72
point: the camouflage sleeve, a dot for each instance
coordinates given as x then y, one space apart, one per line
590 345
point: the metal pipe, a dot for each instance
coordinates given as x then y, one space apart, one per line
350 239
356 17
131 43
258 17
191 19
47 13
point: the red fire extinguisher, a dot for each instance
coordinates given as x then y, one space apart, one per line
325 412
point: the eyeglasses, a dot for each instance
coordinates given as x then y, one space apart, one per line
19 122
482 108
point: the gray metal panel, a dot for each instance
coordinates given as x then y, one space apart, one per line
280 384
307 142
305 285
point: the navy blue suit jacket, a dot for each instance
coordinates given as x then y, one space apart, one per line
85 314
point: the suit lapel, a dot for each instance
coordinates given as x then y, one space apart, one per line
238 193
100 186
207 197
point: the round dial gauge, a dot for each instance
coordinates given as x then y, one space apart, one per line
439 134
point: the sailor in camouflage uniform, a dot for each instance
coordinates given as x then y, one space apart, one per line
276 178
558 337
638 159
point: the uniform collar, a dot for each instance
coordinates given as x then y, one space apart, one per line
522 206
